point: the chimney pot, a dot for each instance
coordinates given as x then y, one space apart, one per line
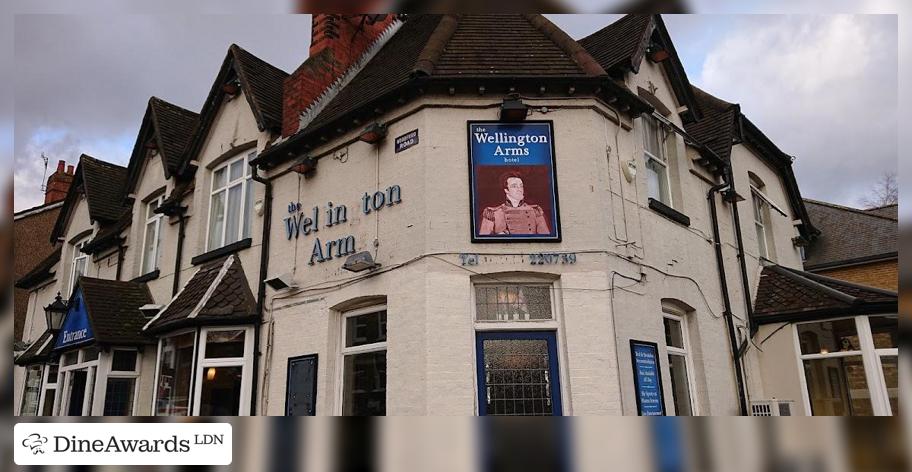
69 170
60 165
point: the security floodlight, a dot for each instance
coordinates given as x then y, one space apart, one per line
359 262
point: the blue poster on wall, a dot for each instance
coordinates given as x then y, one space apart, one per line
513 182
76 328
647 378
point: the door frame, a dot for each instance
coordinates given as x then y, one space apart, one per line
550 337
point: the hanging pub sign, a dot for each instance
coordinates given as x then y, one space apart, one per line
647 378
512 181
76 328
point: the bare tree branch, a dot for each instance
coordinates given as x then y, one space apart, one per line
884 192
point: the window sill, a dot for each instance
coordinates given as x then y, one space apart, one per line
669 212
147 277
222 251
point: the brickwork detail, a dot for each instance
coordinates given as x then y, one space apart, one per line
878 274
337 42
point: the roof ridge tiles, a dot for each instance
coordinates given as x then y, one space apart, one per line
857 211
580 56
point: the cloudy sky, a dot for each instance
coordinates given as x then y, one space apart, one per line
823 87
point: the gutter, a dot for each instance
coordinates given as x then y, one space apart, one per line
726 300
261 291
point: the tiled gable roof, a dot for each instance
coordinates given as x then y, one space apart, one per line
262 83
217 294
848 235
38 351
104 187
790 295
621 44
262 86
41 272
113 309
717 128
174 127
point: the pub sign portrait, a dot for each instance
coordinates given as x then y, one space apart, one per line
513 182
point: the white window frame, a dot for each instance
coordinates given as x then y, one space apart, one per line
245 362
107 372
41 383
78 255
877 389
62 401
45 386
759 203
246 183
362 349
660 160
681 317
152 219
158 368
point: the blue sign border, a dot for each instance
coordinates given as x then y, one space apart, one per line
473 204
636 378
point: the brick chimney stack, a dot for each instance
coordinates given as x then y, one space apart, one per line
336 43
58 183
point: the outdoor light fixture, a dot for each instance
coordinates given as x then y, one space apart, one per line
513 110
359 262
305 165
281 282
373 134
55 313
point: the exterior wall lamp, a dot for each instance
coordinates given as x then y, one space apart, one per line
55 313
513 110
373 134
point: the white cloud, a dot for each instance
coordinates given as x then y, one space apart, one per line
824 88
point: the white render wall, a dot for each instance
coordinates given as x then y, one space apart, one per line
629 258
431 351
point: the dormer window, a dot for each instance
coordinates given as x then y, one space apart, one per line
230 202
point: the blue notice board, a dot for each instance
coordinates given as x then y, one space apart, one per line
647 378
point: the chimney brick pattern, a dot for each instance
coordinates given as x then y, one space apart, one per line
58 184
337 42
